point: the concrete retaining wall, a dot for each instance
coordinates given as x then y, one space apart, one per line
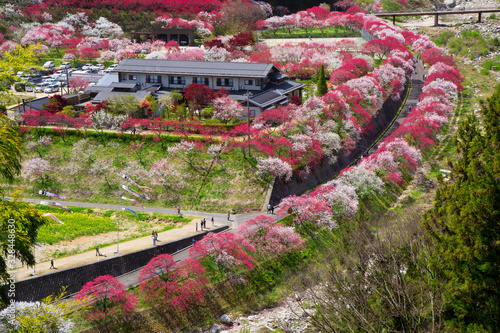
38 287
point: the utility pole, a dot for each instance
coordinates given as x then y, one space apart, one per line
248 95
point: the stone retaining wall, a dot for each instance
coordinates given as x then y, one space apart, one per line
38 287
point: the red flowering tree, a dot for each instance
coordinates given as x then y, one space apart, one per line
56 104
89 54
107 301
198 95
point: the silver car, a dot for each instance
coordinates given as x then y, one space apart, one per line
52 88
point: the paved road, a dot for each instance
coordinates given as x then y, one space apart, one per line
235 220
131 278
417 83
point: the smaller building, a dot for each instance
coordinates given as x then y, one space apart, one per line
183 37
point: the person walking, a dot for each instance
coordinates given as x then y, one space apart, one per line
268 208
179 209
228 215
213 223
204 223
156 235
272 209
52 264
97 253
153 234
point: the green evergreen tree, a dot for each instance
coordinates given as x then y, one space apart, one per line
466 222
321 89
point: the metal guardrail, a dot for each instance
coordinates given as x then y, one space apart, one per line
439 12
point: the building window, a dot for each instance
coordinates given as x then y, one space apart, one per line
177 80
257 82
153 79
225 82
201 80
123 76
132 77
248 82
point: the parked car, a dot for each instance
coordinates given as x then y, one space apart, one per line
65 65
98 67
87 67
52 88
41 86
78 67
49 64
110 68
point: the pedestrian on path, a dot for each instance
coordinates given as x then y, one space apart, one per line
213 223
272 209
52 264
268 208
179 209
97 253
228 215
155 237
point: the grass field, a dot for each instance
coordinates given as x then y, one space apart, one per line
87 222
329 32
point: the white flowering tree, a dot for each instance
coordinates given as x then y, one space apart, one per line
226 109
273 166
35 169
103 28
166 174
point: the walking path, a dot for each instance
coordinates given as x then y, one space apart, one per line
135 244
417 83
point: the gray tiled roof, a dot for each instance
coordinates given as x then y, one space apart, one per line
123 85
267 98
202 68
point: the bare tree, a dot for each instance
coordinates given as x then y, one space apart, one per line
378 281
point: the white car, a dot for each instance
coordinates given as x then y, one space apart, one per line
52 88
65 65
41 87
86 67
49 64
98 67
110 68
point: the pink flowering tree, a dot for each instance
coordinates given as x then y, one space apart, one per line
77 84
226 109
307 209
39 145
269 238
108 303
230 253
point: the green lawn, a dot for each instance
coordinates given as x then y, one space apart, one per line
330 32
